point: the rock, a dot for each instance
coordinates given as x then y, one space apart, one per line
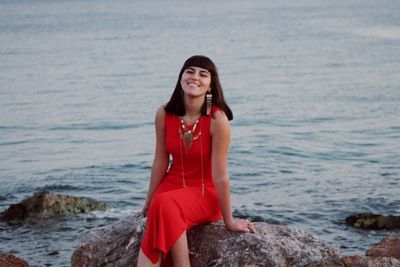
113 245
385 254
45 205
210 245
373 221
8 260
389 247
273 245
362 261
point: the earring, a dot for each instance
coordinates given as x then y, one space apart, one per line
209 101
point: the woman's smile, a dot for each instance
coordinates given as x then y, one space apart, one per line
195 81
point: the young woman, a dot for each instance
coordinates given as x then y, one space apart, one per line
193 128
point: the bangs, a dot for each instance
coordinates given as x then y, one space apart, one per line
201 62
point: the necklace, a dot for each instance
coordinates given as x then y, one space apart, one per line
187 135
201 151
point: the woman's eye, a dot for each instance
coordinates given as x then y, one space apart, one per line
204 75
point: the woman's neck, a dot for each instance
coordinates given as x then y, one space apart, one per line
193 106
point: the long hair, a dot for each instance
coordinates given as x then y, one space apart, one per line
176 105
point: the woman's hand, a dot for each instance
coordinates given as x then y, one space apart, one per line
241 225
145 208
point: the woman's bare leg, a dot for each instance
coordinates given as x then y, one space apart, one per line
143 261
180 252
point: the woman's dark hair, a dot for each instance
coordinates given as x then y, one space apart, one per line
176 106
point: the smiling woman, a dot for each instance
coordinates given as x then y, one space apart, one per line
193 128
195 81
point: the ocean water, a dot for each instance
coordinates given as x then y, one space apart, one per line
314 87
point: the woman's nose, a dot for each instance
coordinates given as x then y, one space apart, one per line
195 76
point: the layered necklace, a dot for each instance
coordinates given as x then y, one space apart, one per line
188 137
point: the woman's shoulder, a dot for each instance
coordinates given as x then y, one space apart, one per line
160 115
164 117
218 114
219 122
161 111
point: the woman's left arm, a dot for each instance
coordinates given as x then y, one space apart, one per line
221 134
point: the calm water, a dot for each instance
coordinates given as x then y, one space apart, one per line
314 88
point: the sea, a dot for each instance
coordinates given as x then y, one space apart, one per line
314 87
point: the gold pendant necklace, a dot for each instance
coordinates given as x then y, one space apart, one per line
187 135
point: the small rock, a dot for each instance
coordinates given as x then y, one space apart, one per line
45 205
373 221
362 261
210 245
53 253
9 260
389 247
385 254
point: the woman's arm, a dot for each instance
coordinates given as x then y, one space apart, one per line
160 162
221 134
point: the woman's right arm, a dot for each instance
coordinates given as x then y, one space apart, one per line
160 162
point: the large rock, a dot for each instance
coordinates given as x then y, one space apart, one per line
363 261
8 260
373 221
210 245
389 247
45 205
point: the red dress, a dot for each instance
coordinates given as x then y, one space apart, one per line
174 207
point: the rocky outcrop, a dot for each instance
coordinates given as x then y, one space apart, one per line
373 221
389 247
45 205
363 261
273 245
384 254
113 245
210 245
8 260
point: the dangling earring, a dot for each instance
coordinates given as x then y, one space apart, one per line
209 101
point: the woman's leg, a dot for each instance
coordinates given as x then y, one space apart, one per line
180 252
143 261
170 214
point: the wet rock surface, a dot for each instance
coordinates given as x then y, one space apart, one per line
373 221
210 245
44 205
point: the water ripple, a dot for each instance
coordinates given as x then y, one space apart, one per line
98 127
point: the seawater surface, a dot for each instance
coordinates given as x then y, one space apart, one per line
314 87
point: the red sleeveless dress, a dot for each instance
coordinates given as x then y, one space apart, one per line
174 207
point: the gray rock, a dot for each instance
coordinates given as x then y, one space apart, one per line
210 245
116 245
44 205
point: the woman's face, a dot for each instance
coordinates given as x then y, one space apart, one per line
195 81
